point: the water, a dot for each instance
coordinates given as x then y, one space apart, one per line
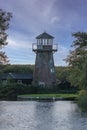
32 115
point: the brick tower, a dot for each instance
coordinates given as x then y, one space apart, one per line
44 72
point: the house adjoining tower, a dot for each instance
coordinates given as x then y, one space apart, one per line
44 72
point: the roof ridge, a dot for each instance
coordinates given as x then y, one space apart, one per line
44 35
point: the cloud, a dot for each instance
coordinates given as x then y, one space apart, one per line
18 44
55 19
31 17
19 52
62 49
61 55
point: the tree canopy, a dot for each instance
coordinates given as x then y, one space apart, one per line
77 59
4 25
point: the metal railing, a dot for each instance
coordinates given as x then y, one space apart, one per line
36 47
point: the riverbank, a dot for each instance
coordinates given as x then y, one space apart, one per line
50 97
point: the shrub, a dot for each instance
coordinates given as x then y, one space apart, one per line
83 99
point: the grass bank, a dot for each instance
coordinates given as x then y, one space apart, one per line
49 96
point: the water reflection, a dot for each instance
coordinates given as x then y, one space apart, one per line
70 117
44 115
31 115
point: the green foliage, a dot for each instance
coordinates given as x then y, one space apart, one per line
74 76
81 39
62 73
83 99
77 59
68 96
84 75
18 69
79 54
11 89
4 25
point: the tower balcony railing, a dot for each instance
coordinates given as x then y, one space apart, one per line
53 47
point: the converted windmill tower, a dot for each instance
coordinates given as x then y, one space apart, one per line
44 73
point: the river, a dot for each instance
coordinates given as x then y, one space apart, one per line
35 115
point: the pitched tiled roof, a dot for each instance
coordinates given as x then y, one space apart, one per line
44 35
17 76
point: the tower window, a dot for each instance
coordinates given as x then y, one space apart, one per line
52 70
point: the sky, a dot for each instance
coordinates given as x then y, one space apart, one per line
59 18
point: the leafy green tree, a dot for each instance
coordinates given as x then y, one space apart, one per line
84 75
79 54
4 25
62 73
77 59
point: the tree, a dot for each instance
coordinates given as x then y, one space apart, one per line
4 25
79 54
77 59
3 58
84 75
